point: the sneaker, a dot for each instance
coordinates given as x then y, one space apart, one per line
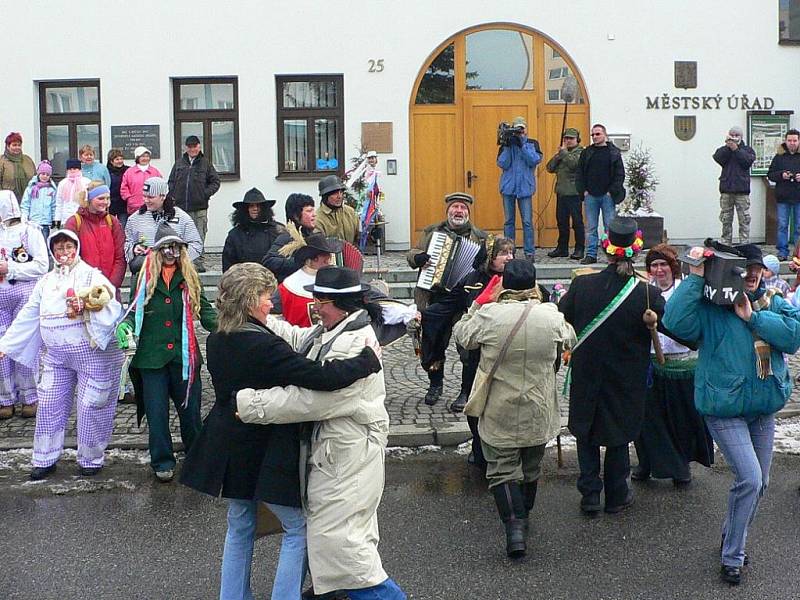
29 410
589 260
38 473
433 394
165 476
558 253
6 412
89 471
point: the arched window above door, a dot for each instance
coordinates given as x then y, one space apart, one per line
438 85
499 59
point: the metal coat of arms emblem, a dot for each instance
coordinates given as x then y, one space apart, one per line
685 127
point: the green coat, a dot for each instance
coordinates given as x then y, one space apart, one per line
160 340
565 165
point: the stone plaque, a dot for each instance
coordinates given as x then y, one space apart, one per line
685 74
128 137
377 136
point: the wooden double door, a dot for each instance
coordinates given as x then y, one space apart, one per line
454 144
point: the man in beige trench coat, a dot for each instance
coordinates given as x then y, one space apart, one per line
516 402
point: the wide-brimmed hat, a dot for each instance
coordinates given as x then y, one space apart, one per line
316 244
253 196
337 280
624 238
166 235
330 184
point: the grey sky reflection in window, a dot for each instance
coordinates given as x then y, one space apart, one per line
499 59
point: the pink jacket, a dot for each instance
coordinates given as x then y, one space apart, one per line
131 187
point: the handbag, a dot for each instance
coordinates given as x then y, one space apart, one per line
482 387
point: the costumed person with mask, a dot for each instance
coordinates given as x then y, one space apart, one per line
16 168
23 261
439 307
248 464
71 313
169 298
293 300
673 433
741 381
334 217
346 463
254 230
609 364
301 221
67 194
101 235
38 204
514 396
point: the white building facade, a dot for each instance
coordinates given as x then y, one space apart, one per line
283 94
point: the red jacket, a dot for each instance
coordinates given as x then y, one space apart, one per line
101 246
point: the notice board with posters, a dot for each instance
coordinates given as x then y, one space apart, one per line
129 137
765 133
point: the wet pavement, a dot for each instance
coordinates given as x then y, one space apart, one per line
122 535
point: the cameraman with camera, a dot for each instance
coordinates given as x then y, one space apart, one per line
735 158
518 157
784 171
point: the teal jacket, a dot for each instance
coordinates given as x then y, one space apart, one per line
160 339
726 383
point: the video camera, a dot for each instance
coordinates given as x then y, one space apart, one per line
505 132
724 273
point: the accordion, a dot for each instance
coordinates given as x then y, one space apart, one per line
451 261
350 256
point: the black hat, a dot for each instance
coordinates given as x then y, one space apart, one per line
295 204
166 235
316 244
253 196
752 254
73 163
336 280
623 238
519 274
330 184
192 140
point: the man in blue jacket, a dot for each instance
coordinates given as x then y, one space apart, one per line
518 159
741 381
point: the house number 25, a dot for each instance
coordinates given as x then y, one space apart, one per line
375 66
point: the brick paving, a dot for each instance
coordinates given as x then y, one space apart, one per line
406 384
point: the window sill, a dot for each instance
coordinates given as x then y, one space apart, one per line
306 176
229 176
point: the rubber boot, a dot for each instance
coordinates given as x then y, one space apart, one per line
529 498
511 507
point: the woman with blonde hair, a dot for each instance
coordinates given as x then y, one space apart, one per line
167 354
251 463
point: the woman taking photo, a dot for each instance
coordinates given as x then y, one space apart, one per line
673 433
251 463
740 383
345 480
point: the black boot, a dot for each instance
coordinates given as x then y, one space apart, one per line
577 254
459 403
529 498
511 507
433 394
558 253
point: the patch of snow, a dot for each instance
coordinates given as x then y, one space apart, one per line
402 452
787 436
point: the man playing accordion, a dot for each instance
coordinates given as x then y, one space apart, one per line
440 306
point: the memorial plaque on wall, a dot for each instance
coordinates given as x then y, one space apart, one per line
685 74
377 136
128 137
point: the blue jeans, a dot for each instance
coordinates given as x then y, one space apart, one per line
237 556
388 590
594 205
746 444
510 226
784 210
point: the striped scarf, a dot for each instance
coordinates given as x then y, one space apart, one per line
762 301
